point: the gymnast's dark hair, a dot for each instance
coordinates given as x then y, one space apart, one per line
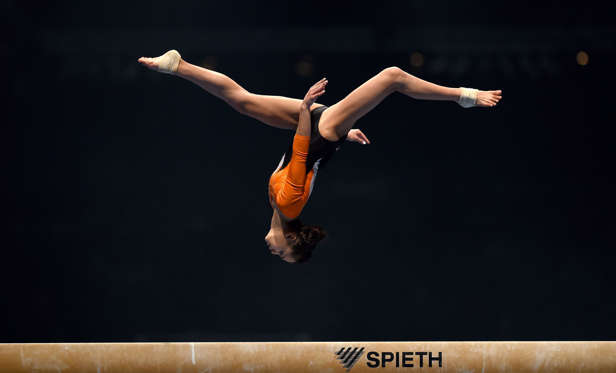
303 239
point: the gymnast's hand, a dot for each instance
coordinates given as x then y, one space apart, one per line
356 135
315 91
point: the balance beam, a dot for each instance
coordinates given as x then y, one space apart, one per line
261 357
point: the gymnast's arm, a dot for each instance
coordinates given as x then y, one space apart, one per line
303 126
293 188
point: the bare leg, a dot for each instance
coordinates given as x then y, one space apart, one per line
276 111
338 119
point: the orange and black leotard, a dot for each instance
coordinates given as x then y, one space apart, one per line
289 187
291 184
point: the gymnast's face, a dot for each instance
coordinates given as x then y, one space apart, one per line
278 245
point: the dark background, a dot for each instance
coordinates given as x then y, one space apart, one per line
141 201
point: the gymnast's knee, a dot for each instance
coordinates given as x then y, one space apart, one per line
240 101
393 74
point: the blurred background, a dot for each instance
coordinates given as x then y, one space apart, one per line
140 203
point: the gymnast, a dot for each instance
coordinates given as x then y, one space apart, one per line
319 132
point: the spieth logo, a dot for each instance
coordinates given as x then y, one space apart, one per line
349 356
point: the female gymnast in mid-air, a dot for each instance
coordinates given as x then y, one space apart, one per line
319 132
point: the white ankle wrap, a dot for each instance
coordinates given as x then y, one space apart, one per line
168 63
468 97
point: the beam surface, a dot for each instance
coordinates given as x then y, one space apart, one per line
258 357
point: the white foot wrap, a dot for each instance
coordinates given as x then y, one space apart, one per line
468 97
168 63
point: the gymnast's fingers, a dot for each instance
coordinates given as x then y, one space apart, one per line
362 138
319 86
319 82
365 138
319 91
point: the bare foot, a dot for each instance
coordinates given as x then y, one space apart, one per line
488 98
149 62
167 63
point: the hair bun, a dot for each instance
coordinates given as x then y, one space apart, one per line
303 239
313 233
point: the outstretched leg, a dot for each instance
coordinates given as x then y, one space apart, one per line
338 119
276 111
